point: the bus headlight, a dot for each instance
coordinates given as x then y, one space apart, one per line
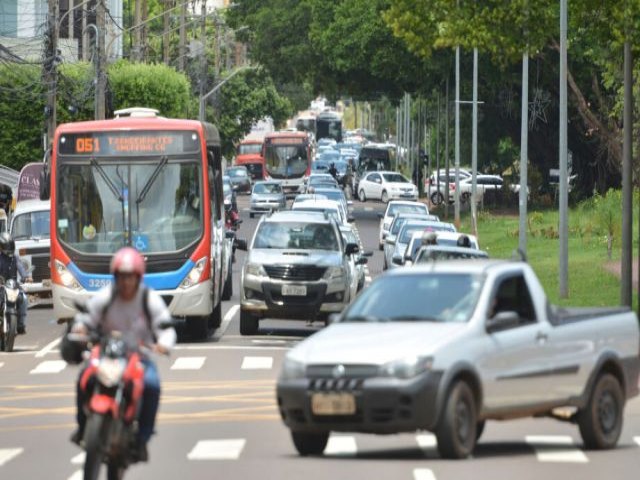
66 277
194 275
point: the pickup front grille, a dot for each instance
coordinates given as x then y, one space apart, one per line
295 272
350 371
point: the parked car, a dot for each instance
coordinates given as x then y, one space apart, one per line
484 184
443 238
266 196
30 231
297 267
239 178
447 346
386 186
393 208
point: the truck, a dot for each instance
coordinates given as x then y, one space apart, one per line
448 346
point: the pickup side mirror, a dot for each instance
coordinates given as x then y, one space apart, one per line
45 180
240 244
502 321
351 248
391 240
396 260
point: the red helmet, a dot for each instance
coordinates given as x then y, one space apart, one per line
127 260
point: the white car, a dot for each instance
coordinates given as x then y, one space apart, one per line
393 208
443 238
484 183
386 186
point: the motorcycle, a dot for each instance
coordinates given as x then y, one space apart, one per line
9 295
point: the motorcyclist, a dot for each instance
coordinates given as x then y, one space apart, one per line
333 171
10 266
121 307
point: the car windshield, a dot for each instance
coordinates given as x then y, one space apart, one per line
155 207
394 177
395 208
330 211
297 236
237 172
267 188
439 297
31 225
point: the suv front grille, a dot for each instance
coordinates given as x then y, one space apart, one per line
295 272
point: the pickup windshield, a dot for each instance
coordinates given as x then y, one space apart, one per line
429 297
294 235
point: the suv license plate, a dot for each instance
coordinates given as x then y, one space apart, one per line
333 404
294 290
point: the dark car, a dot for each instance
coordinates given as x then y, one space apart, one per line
239 178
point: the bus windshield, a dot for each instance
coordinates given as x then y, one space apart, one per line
249 148
152 204
286 161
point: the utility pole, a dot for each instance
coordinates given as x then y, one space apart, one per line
524 140
438 148
101 61
144 30
49 71
563 187
137 32
446 145
474 146
627 187
456 193
203 74
165 32
183 36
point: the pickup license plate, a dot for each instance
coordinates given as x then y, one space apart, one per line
294 290
333 404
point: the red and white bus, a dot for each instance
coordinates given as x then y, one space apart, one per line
249 154
287 157
149 182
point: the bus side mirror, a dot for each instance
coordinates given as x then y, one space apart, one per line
44 184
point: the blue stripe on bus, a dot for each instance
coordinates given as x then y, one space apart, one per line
158 281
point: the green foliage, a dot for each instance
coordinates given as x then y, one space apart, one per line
152 86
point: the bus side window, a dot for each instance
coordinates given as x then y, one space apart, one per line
215 184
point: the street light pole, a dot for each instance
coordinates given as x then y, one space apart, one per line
524 140
456 193
203 98
203 61
627 187
563 187
474 145
101 62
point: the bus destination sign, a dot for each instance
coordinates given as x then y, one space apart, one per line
103 144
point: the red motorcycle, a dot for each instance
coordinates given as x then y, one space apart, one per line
114 383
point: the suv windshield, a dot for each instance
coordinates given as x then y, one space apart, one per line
297 236
429 297
102 208
30 225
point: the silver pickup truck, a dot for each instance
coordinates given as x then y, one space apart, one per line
447 346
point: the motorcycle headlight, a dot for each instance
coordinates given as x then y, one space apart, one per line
334 273
12 294
195 274
255 270
406 368
66 277
292 369
110 371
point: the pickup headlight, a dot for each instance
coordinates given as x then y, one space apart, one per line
255 270
334 273
194 275
66 277
292 369
407 367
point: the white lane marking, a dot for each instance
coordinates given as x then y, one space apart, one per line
226 321
423 474
426 441
48 348
78 459
7 454
77 475
217 449
268 342
556 448
228 347
1 364
341 445
637 440
188 363
49 366
257 363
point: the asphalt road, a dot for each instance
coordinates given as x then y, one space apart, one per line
218 416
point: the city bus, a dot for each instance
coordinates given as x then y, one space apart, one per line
329 125
249 154
287 157
144 181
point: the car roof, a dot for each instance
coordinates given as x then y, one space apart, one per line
447 235
322 203
449 248
297 216
477 267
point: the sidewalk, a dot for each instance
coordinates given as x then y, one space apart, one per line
615 267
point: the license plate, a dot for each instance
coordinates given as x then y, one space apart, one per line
333 404
294 290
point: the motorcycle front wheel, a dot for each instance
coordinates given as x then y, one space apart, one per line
94 440
10 322
115 471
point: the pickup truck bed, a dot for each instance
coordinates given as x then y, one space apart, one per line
559 316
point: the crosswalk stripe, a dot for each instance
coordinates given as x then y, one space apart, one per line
637 440
77 475
49 366
217 449
1 364
257 363
7 454
188 363
78 459
556 448
423 474
341 445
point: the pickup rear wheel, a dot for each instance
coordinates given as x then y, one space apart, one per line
310 443
600 421
456 430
